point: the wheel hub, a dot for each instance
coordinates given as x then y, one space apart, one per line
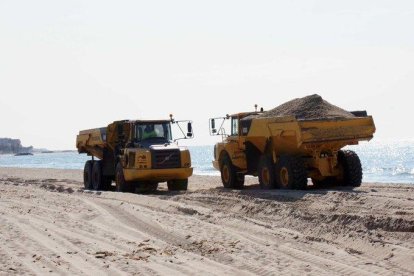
284 176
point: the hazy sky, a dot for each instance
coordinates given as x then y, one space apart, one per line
72 65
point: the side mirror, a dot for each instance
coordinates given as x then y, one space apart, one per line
189 130
213 126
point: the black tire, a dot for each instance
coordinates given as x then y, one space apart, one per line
177 185
97 178
351 167
229 176
291 173
266 172
121 185
87 175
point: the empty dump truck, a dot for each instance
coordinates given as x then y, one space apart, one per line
137 155
285 150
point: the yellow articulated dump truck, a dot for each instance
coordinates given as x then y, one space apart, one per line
137 155
285 146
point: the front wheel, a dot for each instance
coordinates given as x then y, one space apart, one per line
121 185
177 185
229 176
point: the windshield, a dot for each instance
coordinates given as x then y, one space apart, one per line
145 131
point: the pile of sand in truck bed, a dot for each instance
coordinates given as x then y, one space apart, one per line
308 108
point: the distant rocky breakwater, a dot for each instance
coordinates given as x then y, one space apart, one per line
13 146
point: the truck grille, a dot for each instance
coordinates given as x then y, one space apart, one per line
164 159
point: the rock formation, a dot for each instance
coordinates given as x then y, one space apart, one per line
8 145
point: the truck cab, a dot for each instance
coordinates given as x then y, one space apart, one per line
230 154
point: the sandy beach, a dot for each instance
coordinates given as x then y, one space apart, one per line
50 225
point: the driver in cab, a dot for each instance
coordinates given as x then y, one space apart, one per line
149 132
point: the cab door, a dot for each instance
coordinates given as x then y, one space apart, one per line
236 145
237 131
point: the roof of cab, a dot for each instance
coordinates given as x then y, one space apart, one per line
143 121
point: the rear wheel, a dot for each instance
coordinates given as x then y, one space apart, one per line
87 175
351 168
177 185
266 173
97 178
121 185
229 176
291 173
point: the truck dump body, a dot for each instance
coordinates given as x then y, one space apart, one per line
292 136
92 142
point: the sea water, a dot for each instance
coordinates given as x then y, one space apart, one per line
386 162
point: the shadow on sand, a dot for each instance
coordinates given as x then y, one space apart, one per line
253 191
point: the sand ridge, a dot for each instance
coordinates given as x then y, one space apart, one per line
49 224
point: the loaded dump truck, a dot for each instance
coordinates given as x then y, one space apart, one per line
137 155
301 139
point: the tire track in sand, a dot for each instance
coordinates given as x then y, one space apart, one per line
145 225
344 266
